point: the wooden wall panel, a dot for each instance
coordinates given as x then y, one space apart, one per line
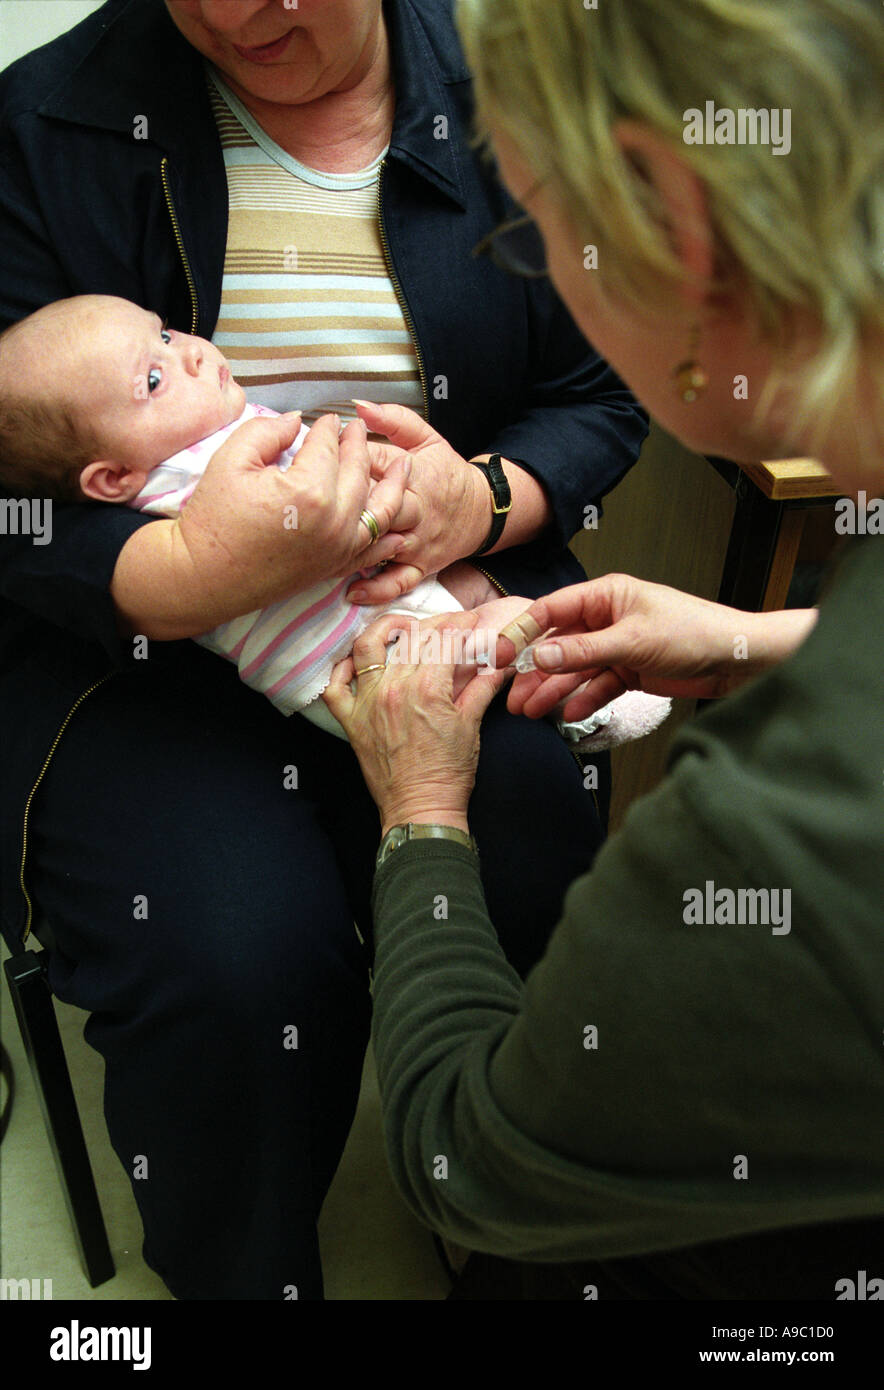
669 522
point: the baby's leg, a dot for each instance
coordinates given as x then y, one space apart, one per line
480 628
494 615
477 629
468 585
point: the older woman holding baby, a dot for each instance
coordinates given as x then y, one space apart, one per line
689 1096
296 184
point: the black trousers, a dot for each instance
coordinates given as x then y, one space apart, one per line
202 860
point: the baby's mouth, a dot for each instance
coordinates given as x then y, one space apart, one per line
223 375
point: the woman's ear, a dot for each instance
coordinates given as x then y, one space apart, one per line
105 481
681 198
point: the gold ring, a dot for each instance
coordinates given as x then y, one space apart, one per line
370 520
378 666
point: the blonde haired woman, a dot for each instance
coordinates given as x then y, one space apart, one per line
692 1078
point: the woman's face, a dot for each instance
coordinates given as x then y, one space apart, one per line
646 348
280 51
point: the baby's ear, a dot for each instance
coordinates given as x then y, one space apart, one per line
105 481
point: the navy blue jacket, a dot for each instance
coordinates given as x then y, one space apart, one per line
83 210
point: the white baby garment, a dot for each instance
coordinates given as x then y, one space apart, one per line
288 650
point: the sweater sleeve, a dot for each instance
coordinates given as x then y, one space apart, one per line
655 1083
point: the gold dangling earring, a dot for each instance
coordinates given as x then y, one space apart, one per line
690 379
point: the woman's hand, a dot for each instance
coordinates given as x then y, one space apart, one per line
251 534
416 735
453 513
618 633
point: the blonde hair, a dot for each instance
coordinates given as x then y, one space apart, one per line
804 231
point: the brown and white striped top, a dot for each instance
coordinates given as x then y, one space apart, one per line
309 315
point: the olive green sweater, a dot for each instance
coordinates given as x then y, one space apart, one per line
661 1080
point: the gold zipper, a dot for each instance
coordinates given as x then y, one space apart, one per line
177 230
490 577
24 845
403 304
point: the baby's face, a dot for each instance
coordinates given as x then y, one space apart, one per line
148 391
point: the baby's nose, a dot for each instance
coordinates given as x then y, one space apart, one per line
193 355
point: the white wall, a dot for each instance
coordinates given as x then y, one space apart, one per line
26 24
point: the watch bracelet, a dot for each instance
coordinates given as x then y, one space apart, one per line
399 835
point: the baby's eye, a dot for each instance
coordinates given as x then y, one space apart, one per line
154 377
165 335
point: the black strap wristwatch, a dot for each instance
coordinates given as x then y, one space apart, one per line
501 499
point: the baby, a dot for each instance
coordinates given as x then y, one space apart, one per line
99 400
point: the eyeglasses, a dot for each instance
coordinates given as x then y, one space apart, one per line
517 246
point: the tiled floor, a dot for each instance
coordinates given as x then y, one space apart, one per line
372 1248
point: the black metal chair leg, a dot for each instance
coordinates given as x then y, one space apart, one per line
35 1012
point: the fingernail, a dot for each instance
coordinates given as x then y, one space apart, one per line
357 596
549 655
356 401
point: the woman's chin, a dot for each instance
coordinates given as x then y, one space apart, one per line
708 433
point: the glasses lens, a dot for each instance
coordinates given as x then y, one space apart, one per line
519 248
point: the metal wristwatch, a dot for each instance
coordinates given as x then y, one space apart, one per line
400 835
501 499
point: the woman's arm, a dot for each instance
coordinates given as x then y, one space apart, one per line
618 633
602 1109
251 535
679 1067
455 503
531 512
575 429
